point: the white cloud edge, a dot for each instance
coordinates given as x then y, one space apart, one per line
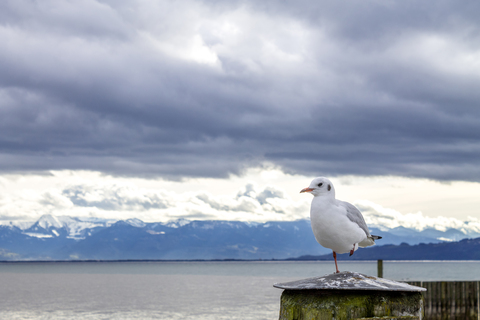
381 217
260 196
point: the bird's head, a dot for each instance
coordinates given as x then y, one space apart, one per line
320 187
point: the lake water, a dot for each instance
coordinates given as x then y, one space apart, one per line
179 290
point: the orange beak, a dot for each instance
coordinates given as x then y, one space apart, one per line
306 190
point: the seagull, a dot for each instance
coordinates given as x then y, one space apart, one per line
337 225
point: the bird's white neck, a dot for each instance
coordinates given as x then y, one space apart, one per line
329 195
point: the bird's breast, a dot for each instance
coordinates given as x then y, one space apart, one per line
332 228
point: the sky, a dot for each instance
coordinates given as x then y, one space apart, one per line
226 109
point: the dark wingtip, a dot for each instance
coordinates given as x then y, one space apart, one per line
376 237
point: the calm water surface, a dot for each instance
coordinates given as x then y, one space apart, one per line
179 290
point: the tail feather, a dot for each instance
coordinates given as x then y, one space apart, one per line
369 241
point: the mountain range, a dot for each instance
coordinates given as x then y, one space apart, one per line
71 238
466 249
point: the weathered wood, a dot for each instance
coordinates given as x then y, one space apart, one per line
346 305
380 268
451 299
349 295
348 281
442 300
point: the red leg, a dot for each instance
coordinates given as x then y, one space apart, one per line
335 257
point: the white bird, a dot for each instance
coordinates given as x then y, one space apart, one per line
337 225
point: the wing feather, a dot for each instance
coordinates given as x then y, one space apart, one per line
354 215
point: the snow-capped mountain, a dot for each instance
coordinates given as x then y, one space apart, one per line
67 238
48 226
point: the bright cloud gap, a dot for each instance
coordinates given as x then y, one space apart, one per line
260 196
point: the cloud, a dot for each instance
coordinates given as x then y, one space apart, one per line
380 217
123 198
251 203
108 197
269 192
256 204
263 195
206 89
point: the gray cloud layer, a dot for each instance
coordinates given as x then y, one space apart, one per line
192 88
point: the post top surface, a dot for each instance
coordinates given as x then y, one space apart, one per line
348 281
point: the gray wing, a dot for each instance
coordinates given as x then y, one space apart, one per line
356 216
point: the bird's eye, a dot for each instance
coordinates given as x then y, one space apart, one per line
320 184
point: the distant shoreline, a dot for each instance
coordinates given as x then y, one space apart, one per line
215 260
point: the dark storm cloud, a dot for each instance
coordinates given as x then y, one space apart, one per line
210 88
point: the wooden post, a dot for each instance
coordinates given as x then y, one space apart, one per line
380 268
350 295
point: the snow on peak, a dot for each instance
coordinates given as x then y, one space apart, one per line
177 223
38 235
21 224
47 220
136 223
75 227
